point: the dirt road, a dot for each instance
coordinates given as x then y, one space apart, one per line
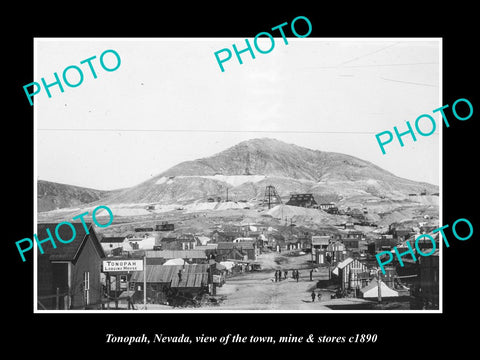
259 291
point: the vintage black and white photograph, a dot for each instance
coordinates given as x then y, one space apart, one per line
169 185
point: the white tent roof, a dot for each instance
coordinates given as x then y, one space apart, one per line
371 290
227 264
176 261
203 240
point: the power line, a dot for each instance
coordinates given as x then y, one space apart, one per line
372 65
409 82
214 131
368 54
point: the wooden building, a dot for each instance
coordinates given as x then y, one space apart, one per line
168 243
171 284
430 279
223 236
210 250
143 229
276 241
165 226
336 252
250 248
188 241
244 250
326 206
110 243
182 242
71 270
402 235
382 243
351 243
350 274
302 200
355 234
320 242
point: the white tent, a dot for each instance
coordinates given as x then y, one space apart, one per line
228 264
176 261
203 240
371 290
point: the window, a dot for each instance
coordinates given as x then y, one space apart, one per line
86 287
123 282
86 280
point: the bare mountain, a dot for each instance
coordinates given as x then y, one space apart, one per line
248 167
52 195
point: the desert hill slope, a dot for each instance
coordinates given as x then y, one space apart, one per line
248 167
52 195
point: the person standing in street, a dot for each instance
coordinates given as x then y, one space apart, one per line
298 275
313 296
276 275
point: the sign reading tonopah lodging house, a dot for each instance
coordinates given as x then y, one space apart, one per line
122 265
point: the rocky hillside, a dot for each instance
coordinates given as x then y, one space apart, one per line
51 195
248 167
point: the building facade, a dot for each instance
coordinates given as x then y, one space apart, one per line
71 270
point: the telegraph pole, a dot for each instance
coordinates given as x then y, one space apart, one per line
379 287
145 281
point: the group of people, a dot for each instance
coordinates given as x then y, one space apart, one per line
295 274
278 275
319 296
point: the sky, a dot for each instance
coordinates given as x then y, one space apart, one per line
169 102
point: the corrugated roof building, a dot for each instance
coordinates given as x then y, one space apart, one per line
348 272
192 276
196 256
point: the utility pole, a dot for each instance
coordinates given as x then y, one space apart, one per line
311 250
379 286
145 281
107 281
117 285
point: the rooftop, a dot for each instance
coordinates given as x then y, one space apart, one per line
193 276
242 245
113 239
172 254
66 251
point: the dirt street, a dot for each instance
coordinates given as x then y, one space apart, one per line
259 291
